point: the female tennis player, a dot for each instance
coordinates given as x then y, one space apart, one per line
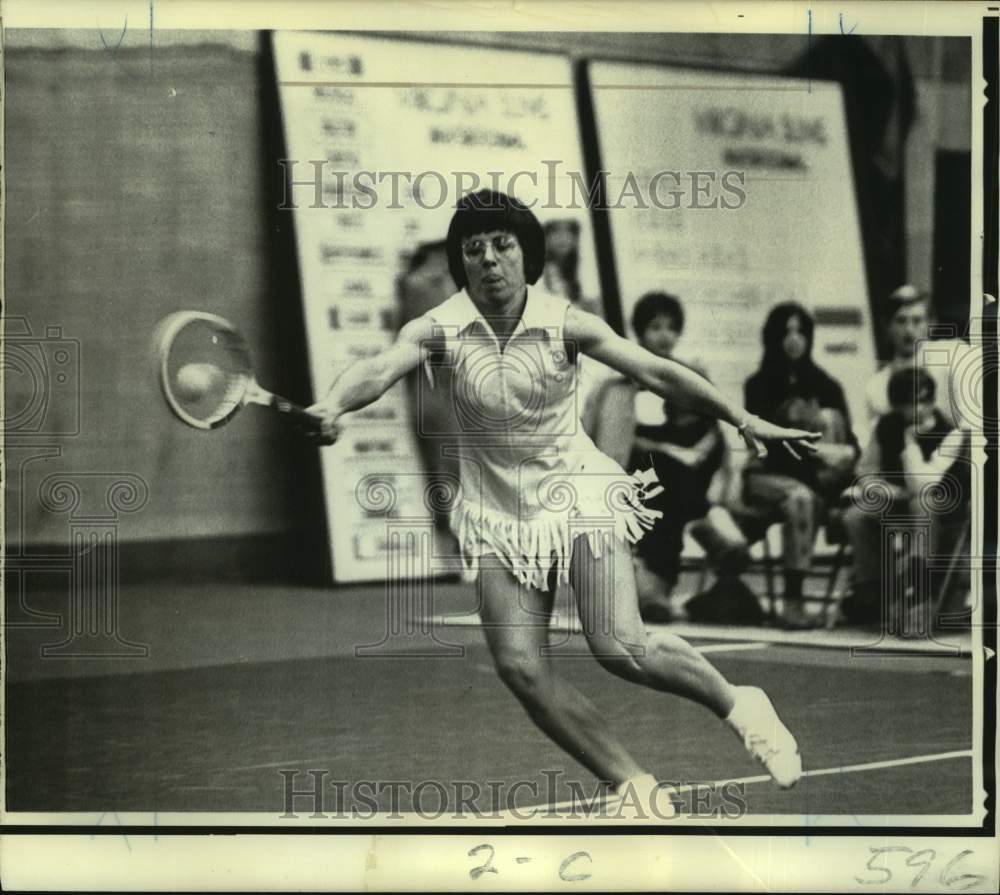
538 495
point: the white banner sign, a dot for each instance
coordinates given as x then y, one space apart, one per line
383 137
735 194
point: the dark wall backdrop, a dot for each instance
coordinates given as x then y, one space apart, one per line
132 194
142 184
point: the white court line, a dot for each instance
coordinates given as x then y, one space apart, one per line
764 778
823 638
849 769
731 647
292 763
758 778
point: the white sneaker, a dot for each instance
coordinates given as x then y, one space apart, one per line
765 737
642 799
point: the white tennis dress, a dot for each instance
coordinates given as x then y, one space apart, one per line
532 480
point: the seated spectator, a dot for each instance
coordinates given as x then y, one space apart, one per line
913 446
560 276
905 320
689 454
791 389
562 263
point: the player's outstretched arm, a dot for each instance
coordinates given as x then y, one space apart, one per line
365 381
676 382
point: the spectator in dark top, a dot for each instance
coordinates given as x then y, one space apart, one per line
912 447
690 457
790 386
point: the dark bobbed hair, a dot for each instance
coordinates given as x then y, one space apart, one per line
780 379
653 305
909 385
485 211
775 328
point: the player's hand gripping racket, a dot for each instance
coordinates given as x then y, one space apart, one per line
206 375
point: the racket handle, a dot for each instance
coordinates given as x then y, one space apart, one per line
302 416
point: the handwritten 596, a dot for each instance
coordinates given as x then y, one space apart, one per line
888 862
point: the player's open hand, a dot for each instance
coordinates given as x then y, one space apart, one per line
798 442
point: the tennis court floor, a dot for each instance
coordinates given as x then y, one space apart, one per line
244 681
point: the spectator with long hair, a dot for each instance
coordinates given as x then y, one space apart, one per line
790 387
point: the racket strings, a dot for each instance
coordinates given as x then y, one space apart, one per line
206 370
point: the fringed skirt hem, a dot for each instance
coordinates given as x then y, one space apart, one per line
530 548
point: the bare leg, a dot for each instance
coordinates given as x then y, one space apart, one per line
516 623
609 611
606 597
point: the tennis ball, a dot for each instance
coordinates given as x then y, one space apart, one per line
194 381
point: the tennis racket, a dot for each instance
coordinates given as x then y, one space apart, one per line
206 373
